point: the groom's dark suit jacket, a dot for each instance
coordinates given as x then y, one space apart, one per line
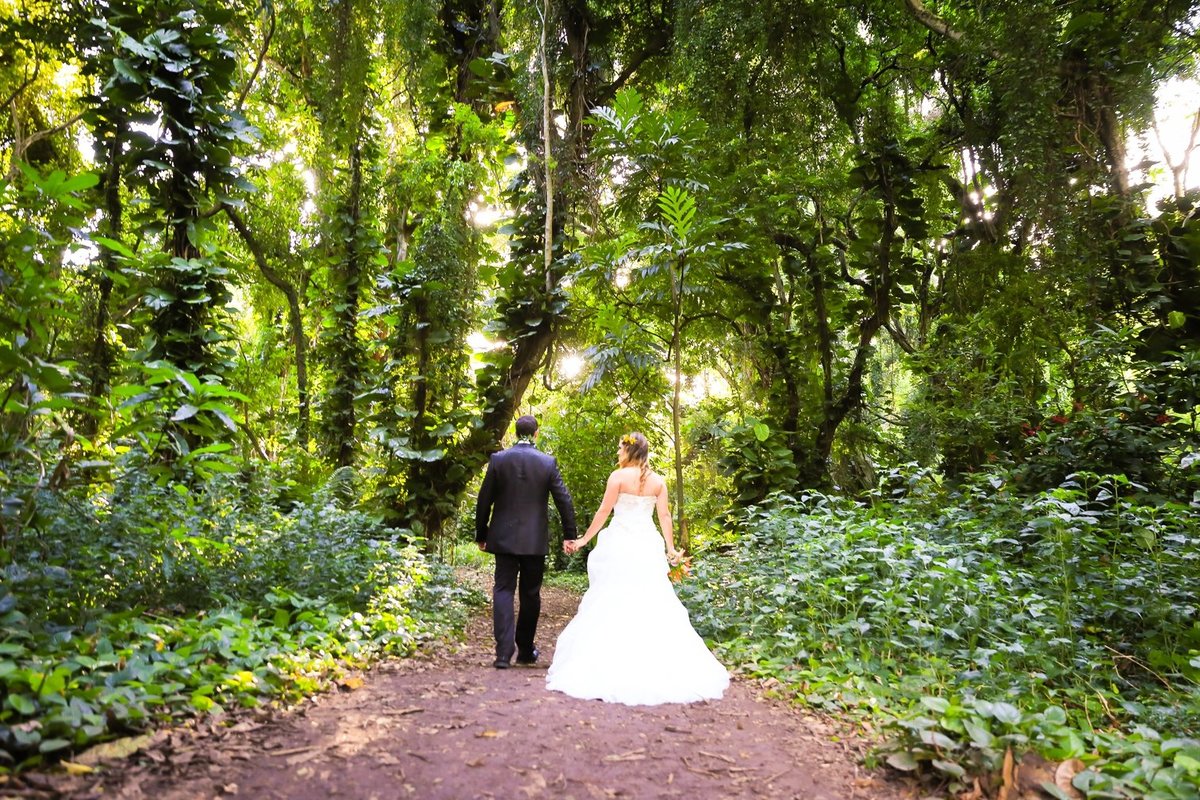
511 514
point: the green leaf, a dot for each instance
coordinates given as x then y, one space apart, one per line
22 704
84 180
1055 792
949 767
981 737
938 705
1006 712
186 411
938 740
226 420
1055 714
902 761
1082 22
126 71
50 745
114 245
678 209
480 67
1189 763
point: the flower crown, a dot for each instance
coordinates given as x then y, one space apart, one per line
629 440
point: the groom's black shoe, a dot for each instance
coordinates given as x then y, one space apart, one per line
501 663
528 658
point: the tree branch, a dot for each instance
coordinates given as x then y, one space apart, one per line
33 137
657 44
938 25
932 21
258 64
37 66
294 316
900 337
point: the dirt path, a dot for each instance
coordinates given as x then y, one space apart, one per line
448 725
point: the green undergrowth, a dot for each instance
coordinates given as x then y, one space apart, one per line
976 621
147 604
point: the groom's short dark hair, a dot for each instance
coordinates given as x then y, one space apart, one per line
526 426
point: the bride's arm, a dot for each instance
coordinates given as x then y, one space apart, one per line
606 505
664 523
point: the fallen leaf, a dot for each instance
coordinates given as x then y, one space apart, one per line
475 762
974 793
76 769
1065 773
290 751
117 749
632 755
350 684
308 754
400 712
230 788
536 786
1008 775
489 733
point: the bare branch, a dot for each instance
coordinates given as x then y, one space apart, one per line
1179 169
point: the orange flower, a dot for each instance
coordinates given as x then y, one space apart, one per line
681 570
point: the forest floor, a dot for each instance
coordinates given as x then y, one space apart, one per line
447 724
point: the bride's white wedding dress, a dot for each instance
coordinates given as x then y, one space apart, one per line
631 641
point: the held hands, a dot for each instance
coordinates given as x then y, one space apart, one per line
571 546
674 556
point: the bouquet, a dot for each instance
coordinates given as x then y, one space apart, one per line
680 569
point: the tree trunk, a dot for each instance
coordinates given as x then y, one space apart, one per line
347 369
101 357
814 469
677 278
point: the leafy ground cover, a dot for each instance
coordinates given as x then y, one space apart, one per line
140 604
978 621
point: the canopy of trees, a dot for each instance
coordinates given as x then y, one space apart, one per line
824 238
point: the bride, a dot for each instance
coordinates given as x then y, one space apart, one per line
631 641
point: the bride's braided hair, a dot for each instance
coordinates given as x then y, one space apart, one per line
637 451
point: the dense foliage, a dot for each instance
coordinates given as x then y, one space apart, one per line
976 619
141 605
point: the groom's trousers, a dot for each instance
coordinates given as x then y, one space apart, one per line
518 633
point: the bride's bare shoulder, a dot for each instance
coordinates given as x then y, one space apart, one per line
618 475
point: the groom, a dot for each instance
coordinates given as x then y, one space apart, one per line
512 523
